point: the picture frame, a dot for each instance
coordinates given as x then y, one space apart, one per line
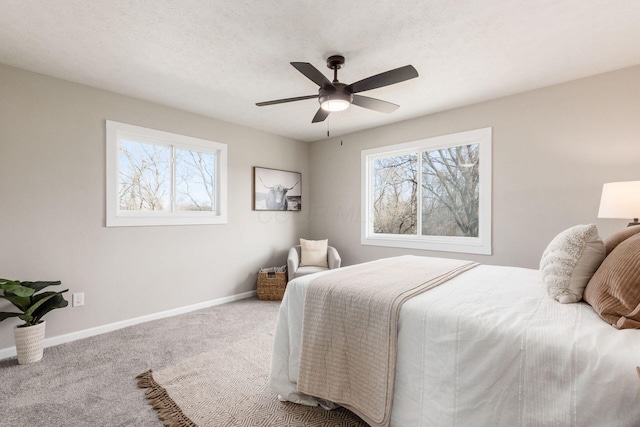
276 190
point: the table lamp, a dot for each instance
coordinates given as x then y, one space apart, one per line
621 200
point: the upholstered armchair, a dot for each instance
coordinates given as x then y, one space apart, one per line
294 269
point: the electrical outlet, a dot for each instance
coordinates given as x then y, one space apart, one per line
78 299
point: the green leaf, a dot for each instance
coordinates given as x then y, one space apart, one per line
37 286
38 300
17 289
5 315
27 318
21 303
57 301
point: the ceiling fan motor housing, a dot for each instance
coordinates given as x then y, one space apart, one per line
333 98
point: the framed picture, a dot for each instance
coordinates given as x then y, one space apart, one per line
276 190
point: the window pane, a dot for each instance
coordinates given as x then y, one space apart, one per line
450 192
144 179
195 181
395 182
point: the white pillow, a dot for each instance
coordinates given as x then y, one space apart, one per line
313 252
570 260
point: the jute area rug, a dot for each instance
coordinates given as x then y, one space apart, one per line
229 387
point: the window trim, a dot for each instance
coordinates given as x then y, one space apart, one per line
474 245
117 218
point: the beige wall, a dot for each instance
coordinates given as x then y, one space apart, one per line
52 215
553 149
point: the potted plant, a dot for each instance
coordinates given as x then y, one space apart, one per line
29 336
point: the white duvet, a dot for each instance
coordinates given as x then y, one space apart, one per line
490 348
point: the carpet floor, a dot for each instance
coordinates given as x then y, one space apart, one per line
91 382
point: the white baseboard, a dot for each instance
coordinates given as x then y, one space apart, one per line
85 333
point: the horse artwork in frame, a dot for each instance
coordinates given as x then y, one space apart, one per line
276 190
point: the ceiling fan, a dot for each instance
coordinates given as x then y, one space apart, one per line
336 96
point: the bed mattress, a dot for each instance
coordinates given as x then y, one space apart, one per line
490 348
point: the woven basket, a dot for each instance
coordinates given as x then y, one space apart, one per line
271 285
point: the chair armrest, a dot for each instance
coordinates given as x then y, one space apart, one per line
292 263
333 258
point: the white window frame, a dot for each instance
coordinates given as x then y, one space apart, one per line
115 131
473 245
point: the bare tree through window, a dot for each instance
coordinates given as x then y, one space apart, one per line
145 174
195 180
395 194
145 178
161 178
449 192
431 194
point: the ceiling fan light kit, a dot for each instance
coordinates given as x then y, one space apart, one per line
333 105
337 100
335 96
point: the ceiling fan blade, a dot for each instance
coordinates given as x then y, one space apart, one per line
384 79
281 101
312 73
374 104
320 116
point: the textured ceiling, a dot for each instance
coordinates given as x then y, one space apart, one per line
218 58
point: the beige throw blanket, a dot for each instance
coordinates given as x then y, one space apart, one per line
349 330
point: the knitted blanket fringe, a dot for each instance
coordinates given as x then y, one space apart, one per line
168 411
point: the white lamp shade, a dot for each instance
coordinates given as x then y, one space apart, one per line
620 200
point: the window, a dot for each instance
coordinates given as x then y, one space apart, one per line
430 194
161 178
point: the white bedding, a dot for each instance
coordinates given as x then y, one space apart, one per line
490 348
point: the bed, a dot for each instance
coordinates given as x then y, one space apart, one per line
489 348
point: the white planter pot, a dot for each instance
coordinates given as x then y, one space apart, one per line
29 343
